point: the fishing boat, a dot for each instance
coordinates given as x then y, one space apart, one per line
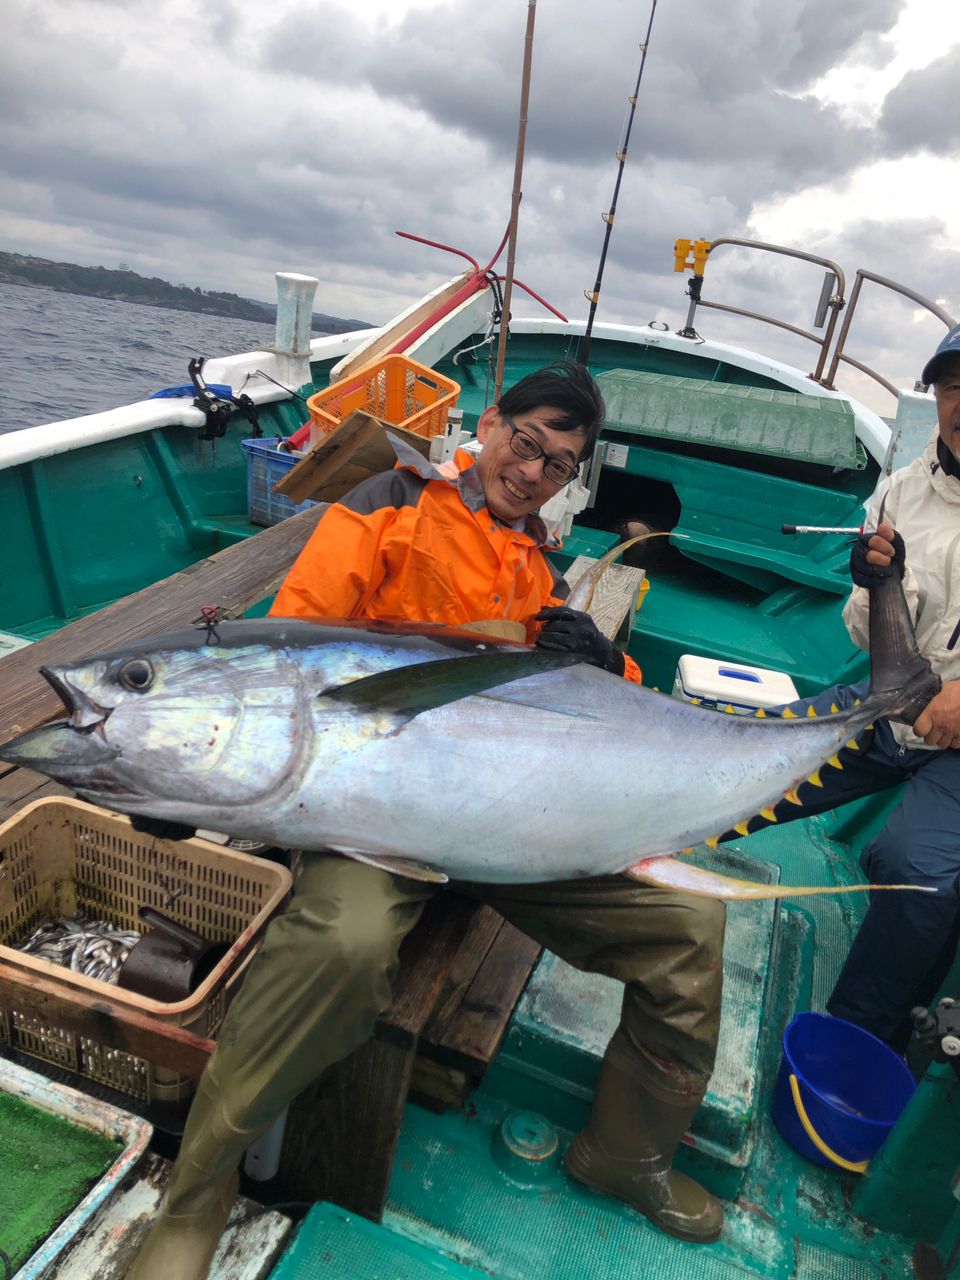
435 1152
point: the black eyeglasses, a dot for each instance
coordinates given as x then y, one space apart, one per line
525 446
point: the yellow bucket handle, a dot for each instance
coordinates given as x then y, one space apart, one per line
853 1166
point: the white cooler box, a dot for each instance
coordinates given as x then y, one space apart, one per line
731 684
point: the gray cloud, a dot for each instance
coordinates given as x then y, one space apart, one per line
215 144
923 112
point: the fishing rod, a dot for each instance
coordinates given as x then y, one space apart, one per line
515 204
583 348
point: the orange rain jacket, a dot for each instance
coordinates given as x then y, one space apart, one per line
415 544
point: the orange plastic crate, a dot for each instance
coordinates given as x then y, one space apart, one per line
395 389
61 856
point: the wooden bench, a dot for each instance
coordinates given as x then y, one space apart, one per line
462 969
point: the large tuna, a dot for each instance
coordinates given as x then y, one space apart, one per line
437 753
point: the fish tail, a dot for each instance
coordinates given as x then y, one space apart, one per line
902 681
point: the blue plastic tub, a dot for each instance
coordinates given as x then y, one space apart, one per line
266 464
850 1085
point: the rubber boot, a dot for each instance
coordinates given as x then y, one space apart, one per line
203 1186
627 1151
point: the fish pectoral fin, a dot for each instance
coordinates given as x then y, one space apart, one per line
407 691
405 867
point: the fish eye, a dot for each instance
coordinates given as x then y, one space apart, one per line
136 674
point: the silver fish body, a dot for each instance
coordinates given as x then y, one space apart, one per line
484 761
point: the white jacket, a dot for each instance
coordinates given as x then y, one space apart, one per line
923 505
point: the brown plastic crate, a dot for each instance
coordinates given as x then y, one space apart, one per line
60 856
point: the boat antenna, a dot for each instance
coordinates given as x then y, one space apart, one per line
593 297
515 204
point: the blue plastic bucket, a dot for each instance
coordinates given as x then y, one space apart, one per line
849 1086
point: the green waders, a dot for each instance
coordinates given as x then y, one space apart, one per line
322 978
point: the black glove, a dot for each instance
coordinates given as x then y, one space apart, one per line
569 631
868 575
161 828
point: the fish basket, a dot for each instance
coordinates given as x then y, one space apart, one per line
60 857
396 389
266 465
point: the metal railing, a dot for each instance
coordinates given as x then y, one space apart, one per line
839 354
832 300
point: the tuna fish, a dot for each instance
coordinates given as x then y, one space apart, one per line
432 752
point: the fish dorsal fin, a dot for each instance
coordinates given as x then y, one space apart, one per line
407 691
395 866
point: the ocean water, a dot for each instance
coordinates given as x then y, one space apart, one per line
62 355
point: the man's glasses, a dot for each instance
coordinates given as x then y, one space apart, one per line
524 446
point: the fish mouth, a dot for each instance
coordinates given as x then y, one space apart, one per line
61 751
70 749
85 715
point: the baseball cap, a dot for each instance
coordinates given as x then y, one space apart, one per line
950 346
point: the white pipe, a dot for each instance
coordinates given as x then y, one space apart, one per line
295 295
263 1156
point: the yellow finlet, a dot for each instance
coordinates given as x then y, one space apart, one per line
788 714
811 711
792 796
815 779
760 714
835 762
712 841
834 709
852 745
729 709
742 829
769 814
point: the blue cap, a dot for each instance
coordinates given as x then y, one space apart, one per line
950 346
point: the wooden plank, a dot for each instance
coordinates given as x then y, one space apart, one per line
436 1087
41 788
481 934
108 1243
426 956
111 1024
232 580
474 1036
615 597
341 1135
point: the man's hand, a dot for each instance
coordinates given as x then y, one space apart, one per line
570 631
939 723
875 556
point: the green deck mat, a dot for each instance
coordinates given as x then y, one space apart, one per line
756 419
332 1244
47 1165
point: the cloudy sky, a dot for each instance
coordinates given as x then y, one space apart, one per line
214 143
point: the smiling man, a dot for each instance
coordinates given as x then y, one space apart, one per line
461 544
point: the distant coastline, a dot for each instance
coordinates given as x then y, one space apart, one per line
126 286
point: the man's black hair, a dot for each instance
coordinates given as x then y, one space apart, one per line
566 387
